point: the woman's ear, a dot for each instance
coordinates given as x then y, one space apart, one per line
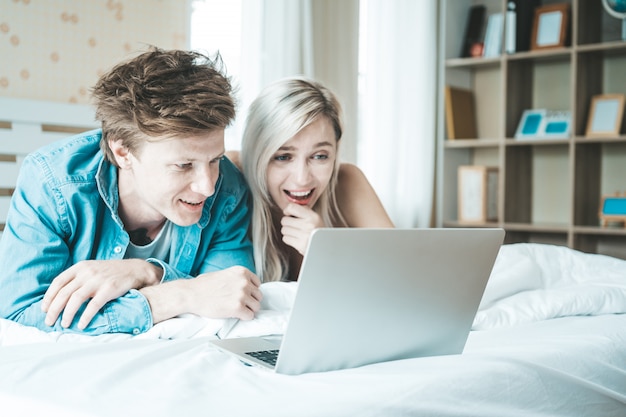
121 153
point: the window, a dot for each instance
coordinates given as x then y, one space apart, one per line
216 25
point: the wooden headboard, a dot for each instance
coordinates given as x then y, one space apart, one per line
26 125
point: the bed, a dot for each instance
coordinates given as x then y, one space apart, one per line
549 339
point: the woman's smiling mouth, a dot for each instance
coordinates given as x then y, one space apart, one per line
299 197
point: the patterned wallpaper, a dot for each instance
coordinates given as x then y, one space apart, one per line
56 49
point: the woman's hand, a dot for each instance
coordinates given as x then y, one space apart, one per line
298 224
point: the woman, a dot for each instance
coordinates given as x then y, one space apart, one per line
290 159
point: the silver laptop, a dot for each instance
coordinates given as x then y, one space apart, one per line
373 295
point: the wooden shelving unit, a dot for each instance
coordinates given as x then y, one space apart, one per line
549 190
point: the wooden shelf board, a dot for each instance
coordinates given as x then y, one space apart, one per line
537 227
601 47
473 62
535 142
471 143
583 140
598 230
541 55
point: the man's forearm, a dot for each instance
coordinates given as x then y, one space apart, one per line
127 314
167 300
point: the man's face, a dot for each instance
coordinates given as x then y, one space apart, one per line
170 178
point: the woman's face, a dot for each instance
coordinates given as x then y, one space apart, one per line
301 169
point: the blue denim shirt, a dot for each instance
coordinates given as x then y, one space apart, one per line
65 210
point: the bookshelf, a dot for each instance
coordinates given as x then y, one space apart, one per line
549 190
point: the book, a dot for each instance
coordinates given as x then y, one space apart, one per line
493 35
524 14
473 29
460 113
509 28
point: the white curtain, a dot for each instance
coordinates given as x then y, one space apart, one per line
396 147
287 39
276 42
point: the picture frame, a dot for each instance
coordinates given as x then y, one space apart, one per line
477 194
460 111
606 114
544 124
550 26
612 209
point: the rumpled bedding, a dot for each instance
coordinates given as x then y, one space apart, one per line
549 339
533 282
528 283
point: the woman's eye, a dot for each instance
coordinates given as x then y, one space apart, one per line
281 157
186 165
320 156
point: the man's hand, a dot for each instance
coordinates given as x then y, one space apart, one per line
232 292
96 281
298 224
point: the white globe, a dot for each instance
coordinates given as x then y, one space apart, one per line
616 8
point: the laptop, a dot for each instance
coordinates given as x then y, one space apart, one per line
373 295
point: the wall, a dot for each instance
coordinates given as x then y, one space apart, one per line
336 46
56 50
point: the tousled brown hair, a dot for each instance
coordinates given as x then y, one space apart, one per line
162 93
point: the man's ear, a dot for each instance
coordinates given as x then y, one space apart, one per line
120 152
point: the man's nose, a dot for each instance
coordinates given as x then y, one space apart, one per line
204 181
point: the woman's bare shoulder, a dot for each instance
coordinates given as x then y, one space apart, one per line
348 168
357 199
350 174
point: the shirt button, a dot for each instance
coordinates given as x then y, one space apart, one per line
136 331
117 249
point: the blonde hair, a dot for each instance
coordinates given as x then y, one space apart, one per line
281 110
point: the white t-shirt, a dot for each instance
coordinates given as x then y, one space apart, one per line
159 248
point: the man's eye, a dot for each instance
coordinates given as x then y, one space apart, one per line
186 165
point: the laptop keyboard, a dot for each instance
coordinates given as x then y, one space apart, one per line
267 356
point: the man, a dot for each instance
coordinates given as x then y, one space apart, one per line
117 229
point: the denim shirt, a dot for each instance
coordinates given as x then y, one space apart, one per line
65 210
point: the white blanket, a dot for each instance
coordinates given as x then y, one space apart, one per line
548 341
533 282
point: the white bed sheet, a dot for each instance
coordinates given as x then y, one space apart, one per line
537 349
